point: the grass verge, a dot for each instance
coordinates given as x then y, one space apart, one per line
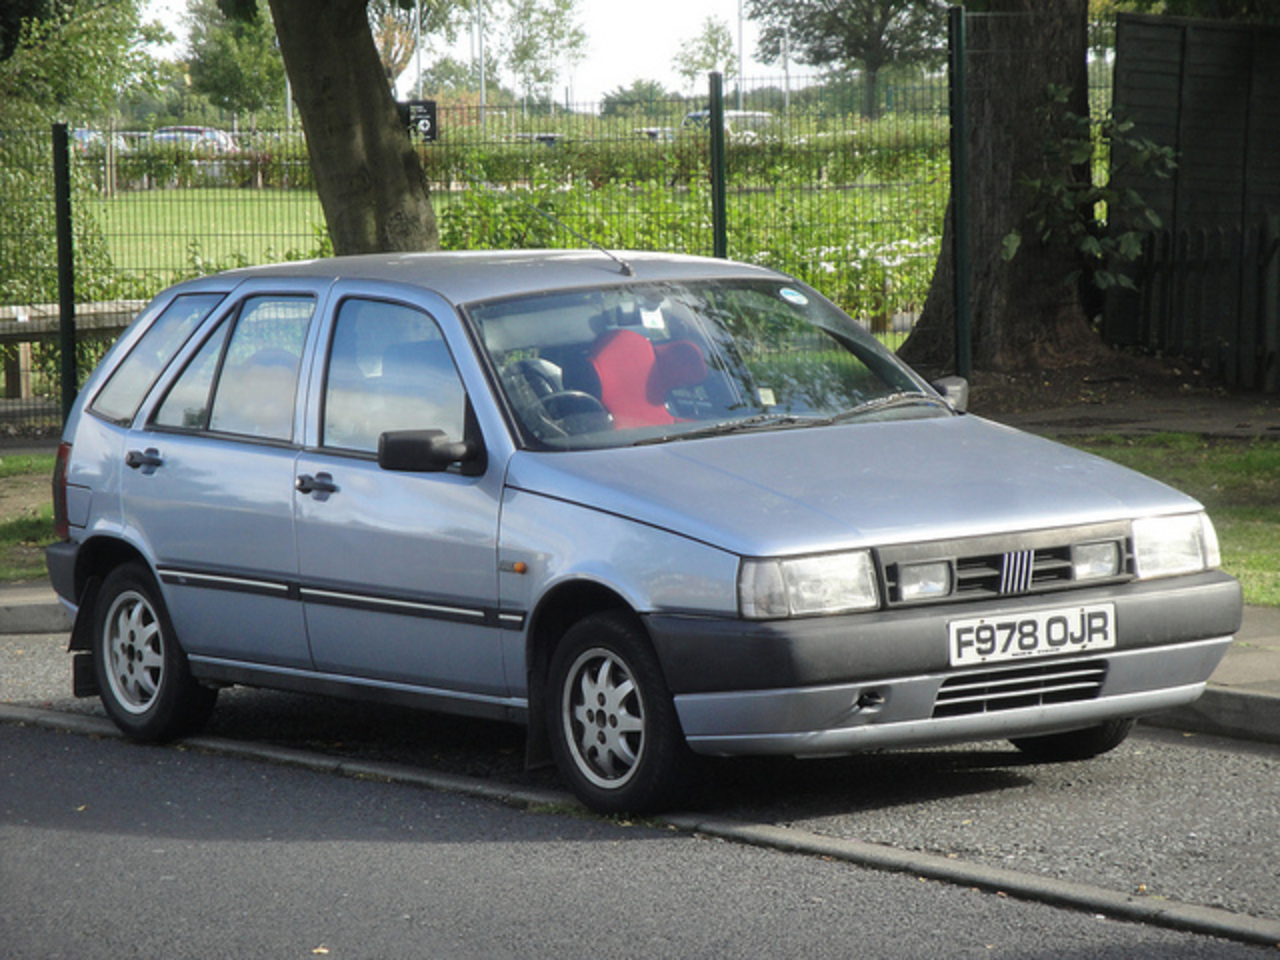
25 528
1238 481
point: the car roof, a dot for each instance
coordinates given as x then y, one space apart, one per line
466 277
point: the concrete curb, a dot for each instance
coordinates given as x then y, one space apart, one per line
22 611
1225 713
1189 918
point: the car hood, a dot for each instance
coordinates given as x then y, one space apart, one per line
813 489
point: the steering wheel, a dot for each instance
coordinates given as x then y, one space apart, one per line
576 412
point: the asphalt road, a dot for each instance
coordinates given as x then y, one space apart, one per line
1165 822
115 851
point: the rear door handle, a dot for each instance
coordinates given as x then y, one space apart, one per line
320 483
143 458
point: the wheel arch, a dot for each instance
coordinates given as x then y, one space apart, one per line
97 557
556 612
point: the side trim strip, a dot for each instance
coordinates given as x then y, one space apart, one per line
222 581
387 604
329 595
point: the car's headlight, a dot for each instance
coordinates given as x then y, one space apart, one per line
808 586
1167 546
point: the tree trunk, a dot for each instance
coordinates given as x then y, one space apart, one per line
871 92
369 178
1025 311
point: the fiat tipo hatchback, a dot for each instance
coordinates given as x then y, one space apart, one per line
650 506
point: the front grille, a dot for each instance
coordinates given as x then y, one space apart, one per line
1015 687
1019 571
1004 566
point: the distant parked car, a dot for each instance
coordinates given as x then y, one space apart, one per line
651 506
197 138
741 124
96 141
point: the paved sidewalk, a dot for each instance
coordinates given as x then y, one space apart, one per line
1243 699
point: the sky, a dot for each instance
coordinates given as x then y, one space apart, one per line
627 40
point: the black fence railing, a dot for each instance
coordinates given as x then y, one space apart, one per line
1212 297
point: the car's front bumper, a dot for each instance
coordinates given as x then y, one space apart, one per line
842 684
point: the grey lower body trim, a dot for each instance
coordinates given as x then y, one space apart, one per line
898 712
218 671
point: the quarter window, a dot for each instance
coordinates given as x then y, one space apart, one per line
124 391
389 369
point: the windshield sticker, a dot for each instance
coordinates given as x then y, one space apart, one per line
793 296
766 396
652 319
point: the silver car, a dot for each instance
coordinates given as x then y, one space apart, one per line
653 507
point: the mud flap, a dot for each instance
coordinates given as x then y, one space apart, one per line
83 681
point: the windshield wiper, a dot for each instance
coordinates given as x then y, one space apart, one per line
763 421
887 402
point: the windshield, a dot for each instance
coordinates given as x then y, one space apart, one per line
658 362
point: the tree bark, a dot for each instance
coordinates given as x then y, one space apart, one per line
369 179
1025 312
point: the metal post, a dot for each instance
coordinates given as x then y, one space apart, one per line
960 193
740 56
66 266
719 214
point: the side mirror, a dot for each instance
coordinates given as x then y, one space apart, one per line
954 390
425 451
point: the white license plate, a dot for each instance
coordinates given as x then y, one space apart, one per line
1038 633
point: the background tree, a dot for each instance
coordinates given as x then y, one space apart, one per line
711 50
1244 11
234 63
852 34
644 98
395 33
66 60
395 29
369 179
543 40
1025 310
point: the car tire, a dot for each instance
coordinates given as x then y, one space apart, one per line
613 726
143 678
1076 744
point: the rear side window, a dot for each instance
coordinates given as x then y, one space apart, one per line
129 383
244 380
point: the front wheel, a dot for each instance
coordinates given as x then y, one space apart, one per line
614 730
1076 744
143 678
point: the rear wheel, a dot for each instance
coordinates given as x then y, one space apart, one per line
143 677
1076 744
613 726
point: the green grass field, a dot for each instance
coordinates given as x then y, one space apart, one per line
167 233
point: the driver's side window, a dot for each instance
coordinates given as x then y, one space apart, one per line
389 369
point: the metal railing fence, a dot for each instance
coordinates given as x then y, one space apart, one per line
850 204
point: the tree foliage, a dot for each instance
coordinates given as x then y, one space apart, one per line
71 60
1244 11
396 29
711 50
852 34
644 98
234 63
543 40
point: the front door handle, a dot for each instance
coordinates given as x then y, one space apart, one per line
320 483
143 458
